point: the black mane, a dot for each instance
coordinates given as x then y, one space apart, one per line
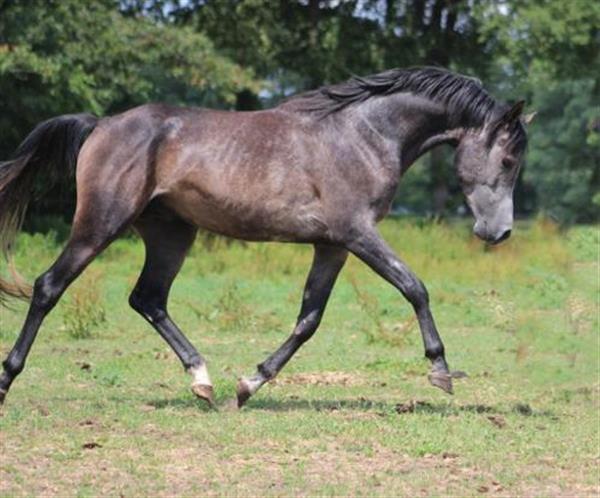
466 100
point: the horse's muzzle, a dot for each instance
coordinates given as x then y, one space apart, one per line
482 231
503 237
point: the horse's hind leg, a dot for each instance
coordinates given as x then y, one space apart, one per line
96 224
327 263
167 240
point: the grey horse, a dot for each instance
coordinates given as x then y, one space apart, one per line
321 168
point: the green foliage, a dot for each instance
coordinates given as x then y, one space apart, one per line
57 57
84 310
544 37
563 163
305 43
231 312
377 328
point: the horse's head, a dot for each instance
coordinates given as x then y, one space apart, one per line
488 162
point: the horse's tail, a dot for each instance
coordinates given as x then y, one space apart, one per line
51 148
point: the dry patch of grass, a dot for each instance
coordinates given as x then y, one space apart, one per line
321 379
180 467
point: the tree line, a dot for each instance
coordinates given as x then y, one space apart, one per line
105 56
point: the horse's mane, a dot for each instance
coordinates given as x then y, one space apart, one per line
464 97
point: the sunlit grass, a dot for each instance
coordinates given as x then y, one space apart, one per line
521 319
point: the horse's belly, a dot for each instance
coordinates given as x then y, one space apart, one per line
257 219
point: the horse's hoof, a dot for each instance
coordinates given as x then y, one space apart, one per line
443 380
204 392
243 393
2 396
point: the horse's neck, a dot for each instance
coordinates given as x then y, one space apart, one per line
413 124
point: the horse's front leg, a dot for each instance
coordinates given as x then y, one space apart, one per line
375 252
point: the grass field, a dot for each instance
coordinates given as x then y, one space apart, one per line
103 407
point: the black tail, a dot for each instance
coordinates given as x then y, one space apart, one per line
51 149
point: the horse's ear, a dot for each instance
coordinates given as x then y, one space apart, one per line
513 113
528 118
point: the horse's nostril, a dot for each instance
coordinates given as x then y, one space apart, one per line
504 236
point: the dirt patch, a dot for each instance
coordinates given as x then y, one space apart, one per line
306 470
41 474
172 465
321 379
498 420
343 467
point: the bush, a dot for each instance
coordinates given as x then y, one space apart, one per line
84 309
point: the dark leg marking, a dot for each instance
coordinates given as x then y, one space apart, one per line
327 263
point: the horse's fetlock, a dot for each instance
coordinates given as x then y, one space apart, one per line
266 372
435 352
193 361
13 366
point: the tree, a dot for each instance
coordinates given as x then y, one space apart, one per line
543 39
57 57
564 159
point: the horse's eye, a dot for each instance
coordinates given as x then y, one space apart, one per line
508 162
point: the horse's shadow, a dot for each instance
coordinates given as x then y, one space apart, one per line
383 408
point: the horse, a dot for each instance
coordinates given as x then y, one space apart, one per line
320 168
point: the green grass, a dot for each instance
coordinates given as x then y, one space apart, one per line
103 407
